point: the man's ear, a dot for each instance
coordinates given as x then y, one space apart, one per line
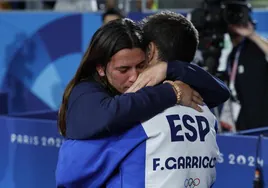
151 51
100 70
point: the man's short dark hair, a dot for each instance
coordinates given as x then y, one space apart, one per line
174 35
112 11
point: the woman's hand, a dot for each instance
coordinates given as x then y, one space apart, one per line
151 76
189 97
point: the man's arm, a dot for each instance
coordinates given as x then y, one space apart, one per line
249 32
91 111
260 42
213 90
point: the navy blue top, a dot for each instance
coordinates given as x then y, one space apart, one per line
93 112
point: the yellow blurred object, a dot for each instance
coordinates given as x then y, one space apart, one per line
155 6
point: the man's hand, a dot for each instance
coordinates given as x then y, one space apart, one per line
151 76
250 33
189 97
245 31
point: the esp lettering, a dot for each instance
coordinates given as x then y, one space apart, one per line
188 122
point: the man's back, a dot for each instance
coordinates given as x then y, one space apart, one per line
136 157
180 151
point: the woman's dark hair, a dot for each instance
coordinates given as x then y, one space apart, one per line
107 41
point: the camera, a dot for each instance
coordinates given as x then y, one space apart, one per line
212 20
236 12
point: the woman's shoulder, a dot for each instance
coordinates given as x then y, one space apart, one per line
85 87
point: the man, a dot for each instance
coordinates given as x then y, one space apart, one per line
104 155
179 149
250 102
111 14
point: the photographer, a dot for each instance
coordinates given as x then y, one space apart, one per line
248 74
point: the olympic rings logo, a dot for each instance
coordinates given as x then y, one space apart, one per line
191 183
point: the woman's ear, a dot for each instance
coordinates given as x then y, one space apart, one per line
100 70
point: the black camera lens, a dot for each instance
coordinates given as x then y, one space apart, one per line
236 14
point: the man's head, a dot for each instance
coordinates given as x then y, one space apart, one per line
237 14
111 14
116 55
170 36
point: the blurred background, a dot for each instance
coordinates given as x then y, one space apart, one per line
41 45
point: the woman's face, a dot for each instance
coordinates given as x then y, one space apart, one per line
124 68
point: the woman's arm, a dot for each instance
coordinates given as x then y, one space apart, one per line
212 90
91 111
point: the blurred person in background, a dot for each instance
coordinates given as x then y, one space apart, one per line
150 4
49 5
111 4
182 4
111 14
248 76
4 6
77 5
